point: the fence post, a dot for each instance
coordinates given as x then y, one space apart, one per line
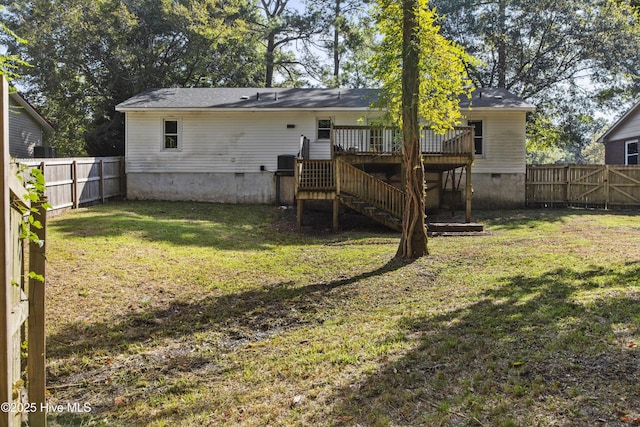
606 186
36 362
74 173
335 165
567 185
5 259
123 178
101 182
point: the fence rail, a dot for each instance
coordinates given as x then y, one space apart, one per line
583 185
72 182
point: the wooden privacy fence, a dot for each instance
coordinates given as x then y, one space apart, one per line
606 186
22 300
72 182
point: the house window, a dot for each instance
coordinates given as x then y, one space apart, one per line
631 153
478 136
170 135
324 129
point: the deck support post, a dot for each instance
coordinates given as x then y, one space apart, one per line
336 212
300 204
468 193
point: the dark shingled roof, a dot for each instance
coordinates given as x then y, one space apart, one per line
252 98
287 98
495 98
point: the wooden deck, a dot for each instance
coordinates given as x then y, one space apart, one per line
378 148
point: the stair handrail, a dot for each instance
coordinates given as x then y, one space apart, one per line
377 193
303 151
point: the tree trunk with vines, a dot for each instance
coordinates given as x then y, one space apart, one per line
414 233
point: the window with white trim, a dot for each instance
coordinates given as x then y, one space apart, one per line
171 131
324 129
478 136
631 153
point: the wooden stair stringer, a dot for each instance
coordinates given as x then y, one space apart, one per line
364 208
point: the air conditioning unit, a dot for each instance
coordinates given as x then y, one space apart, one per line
286 163
41 152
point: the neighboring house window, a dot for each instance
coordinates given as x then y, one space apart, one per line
324 129
170 135
631 153
478 136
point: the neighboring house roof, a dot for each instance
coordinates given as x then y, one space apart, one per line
297 98
31 111
621 121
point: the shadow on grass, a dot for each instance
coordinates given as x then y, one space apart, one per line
219 226
241 317
528 353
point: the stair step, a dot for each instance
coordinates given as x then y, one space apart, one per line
455 227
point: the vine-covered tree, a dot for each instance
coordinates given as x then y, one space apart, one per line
422 75
90 55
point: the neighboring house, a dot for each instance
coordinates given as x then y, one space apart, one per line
26 127
230 145
622 139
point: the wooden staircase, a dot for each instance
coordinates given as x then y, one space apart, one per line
369 195
370 211
350 186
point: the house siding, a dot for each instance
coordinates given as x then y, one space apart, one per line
24 132
221 154
498 177
504 150
628 129
615 151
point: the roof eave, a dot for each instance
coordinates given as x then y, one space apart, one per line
243 109
618 122
42 121
497 108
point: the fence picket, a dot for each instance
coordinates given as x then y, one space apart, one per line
72 182
583 185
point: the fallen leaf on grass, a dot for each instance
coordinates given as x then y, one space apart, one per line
297 400
632 421
631 344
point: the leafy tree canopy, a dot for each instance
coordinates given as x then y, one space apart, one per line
569 57
9 63
93 55
442 64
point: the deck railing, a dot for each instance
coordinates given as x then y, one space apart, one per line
315 175
375 192
343 178
388 140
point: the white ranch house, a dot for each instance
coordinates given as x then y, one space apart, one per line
232 145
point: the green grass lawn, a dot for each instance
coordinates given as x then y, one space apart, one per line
174 314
